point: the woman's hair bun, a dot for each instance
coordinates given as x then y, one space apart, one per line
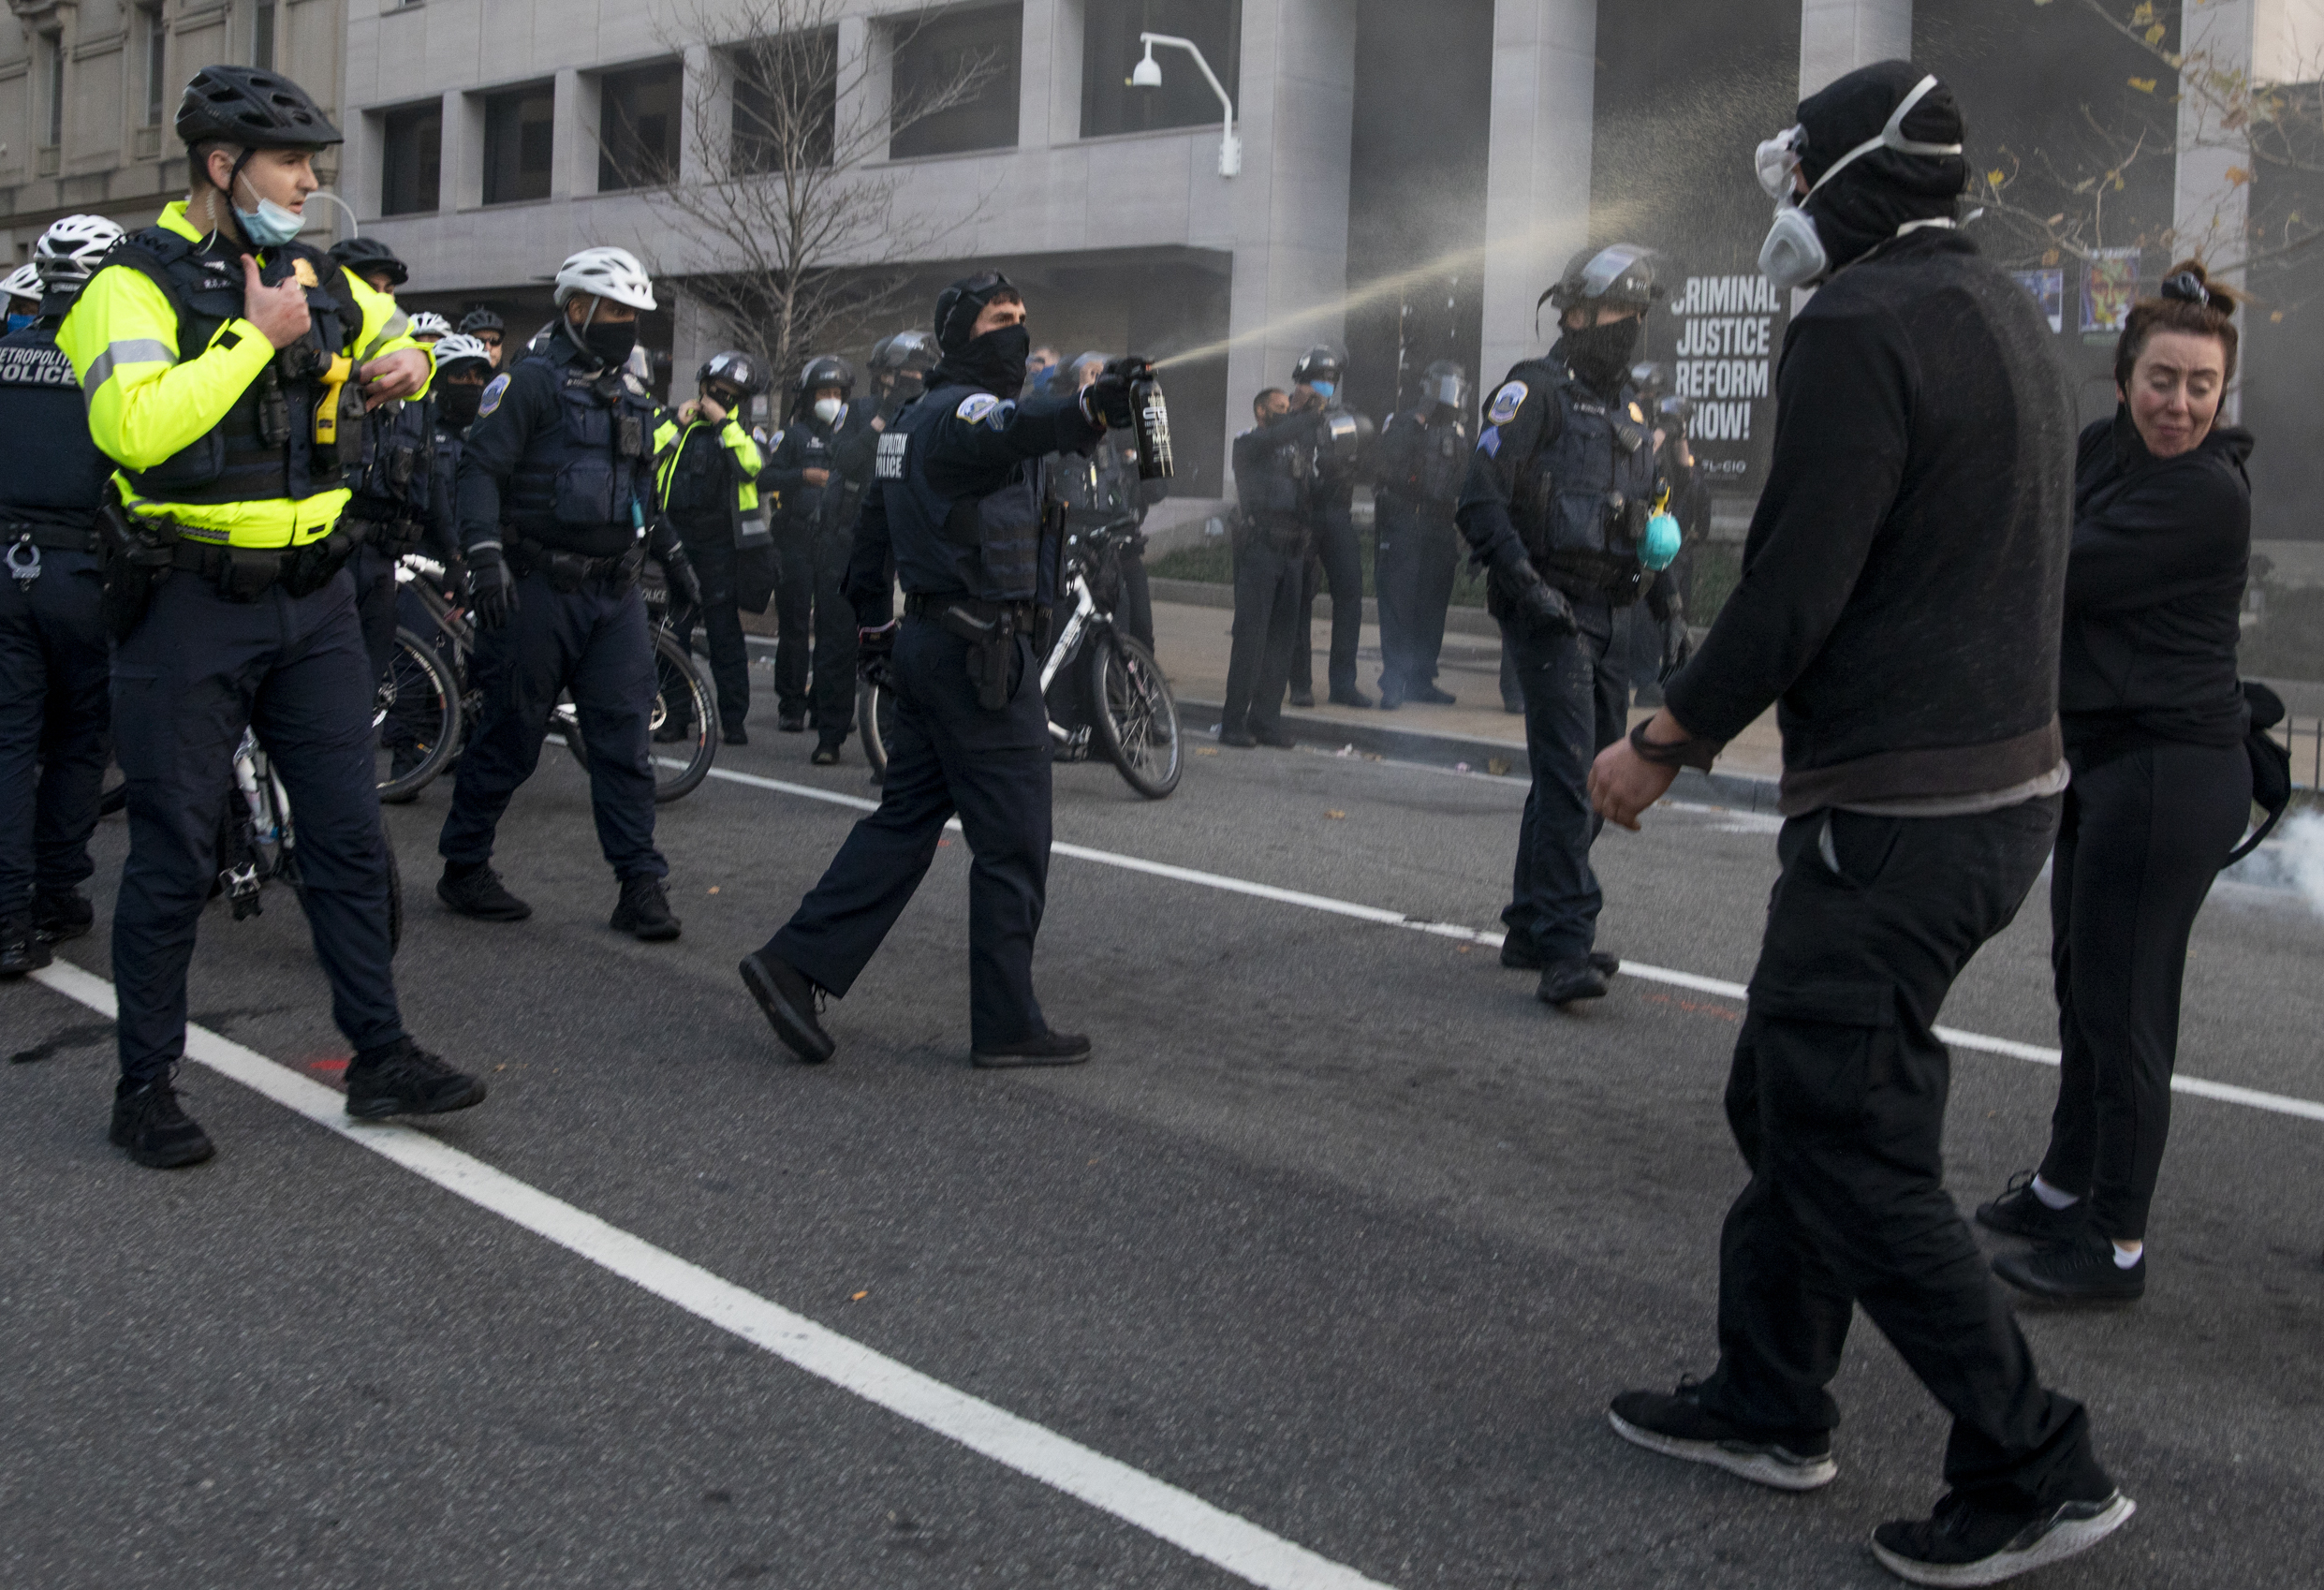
2190 282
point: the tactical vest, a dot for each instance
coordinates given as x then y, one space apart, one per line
814 452
994 542
444 469
1581 500
396 473
698 484
1279 485
592 468
50 472
1444 462
265 450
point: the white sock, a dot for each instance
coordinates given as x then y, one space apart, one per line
2126 1255
2053 1199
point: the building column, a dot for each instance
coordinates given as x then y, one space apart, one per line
1538 165
1836 37
573 156
461 181
1049 74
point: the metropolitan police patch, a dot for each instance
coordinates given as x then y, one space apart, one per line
492 395
1506 403
976 405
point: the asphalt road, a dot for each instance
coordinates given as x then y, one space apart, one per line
1342 1231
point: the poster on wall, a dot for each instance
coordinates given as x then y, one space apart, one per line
1729 328
2047 289
2110 286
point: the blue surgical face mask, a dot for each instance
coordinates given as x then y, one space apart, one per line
18 322
270 225
1323 389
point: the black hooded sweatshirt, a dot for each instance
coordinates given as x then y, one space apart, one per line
2154 593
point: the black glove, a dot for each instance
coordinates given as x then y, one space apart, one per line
1537 606
678 570
1678 645
1107 400
493 587
459 587
876 651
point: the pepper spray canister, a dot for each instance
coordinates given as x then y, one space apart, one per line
1150 416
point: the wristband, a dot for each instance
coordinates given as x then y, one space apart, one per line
1689 753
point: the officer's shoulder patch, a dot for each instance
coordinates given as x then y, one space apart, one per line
1506 403
1638 415
303 271
976 405
493 392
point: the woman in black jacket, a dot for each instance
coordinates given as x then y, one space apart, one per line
2154 721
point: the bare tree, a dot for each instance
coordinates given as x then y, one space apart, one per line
795 235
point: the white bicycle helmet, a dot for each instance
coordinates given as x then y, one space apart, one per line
426 324
606 272
68 251
457 348
23 282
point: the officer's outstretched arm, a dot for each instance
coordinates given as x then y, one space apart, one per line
507 419
983 433
146 404
870 583
1517 426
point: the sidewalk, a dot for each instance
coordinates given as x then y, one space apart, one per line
1192 641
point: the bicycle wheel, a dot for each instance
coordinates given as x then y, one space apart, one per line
415 719
876 722
684 689
115 795
1134 715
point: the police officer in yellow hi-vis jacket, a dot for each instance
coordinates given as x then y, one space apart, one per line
226 366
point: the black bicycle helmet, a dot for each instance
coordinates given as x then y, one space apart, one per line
252 108
828 371
1621 273
737 370
905 353
369 257
478 321
1318 364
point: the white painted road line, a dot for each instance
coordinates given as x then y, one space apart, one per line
1161 1510
2224 1093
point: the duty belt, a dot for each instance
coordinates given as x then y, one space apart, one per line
569 571
1596 577
1021 614
394 536
50 538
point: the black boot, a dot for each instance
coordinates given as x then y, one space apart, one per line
476 892
644 909
791 1005
1562 982
148 1123
22 950
60 914
403 1079
791 720
673 732
734 733
826 755
1042 1049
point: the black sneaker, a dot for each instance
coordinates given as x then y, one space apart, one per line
404 1079
792 722
1519 957
1238 738
1961 1544
1351 696
1302 698
1391 695
737 735
2019 1212
825 756
2080 1270
1275 736
791 1004
1679 1426
1433 696
1042 1049
644 909
1562 982
479 893
61 914
22 950
159 1135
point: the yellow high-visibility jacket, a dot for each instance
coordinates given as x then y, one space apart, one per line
147 402
670 439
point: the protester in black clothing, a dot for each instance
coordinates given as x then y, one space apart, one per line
1421 460
2154 724
1272 462
1900 600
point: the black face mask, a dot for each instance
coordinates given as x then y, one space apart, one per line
1600 355
609 342
457 405
993 361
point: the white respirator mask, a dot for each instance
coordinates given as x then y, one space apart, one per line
1793 254
828 410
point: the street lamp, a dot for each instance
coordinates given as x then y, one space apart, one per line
1148 74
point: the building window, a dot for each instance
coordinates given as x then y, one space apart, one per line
786 102
638 126
1110 49
411 160
519 139
955 83
262 34
153 45
52 90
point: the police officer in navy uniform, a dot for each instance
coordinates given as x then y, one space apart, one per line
1336 466
710 475
554 486
960 504
54 725
1559 491
1419 468
486 328
814 658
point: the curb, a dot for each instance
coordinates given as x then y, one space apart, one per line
1427 748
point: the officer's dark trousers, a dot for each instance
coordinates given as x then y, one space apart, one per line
1134 610
1268 593
711 553
1576 693
2142 836
794 618
594 641
1837 1100
373 573
54 734
834 677
948 756
1418 551
185 684
1343 572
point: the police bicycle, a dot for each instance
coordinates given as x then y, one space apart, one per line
1103 683
444 703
